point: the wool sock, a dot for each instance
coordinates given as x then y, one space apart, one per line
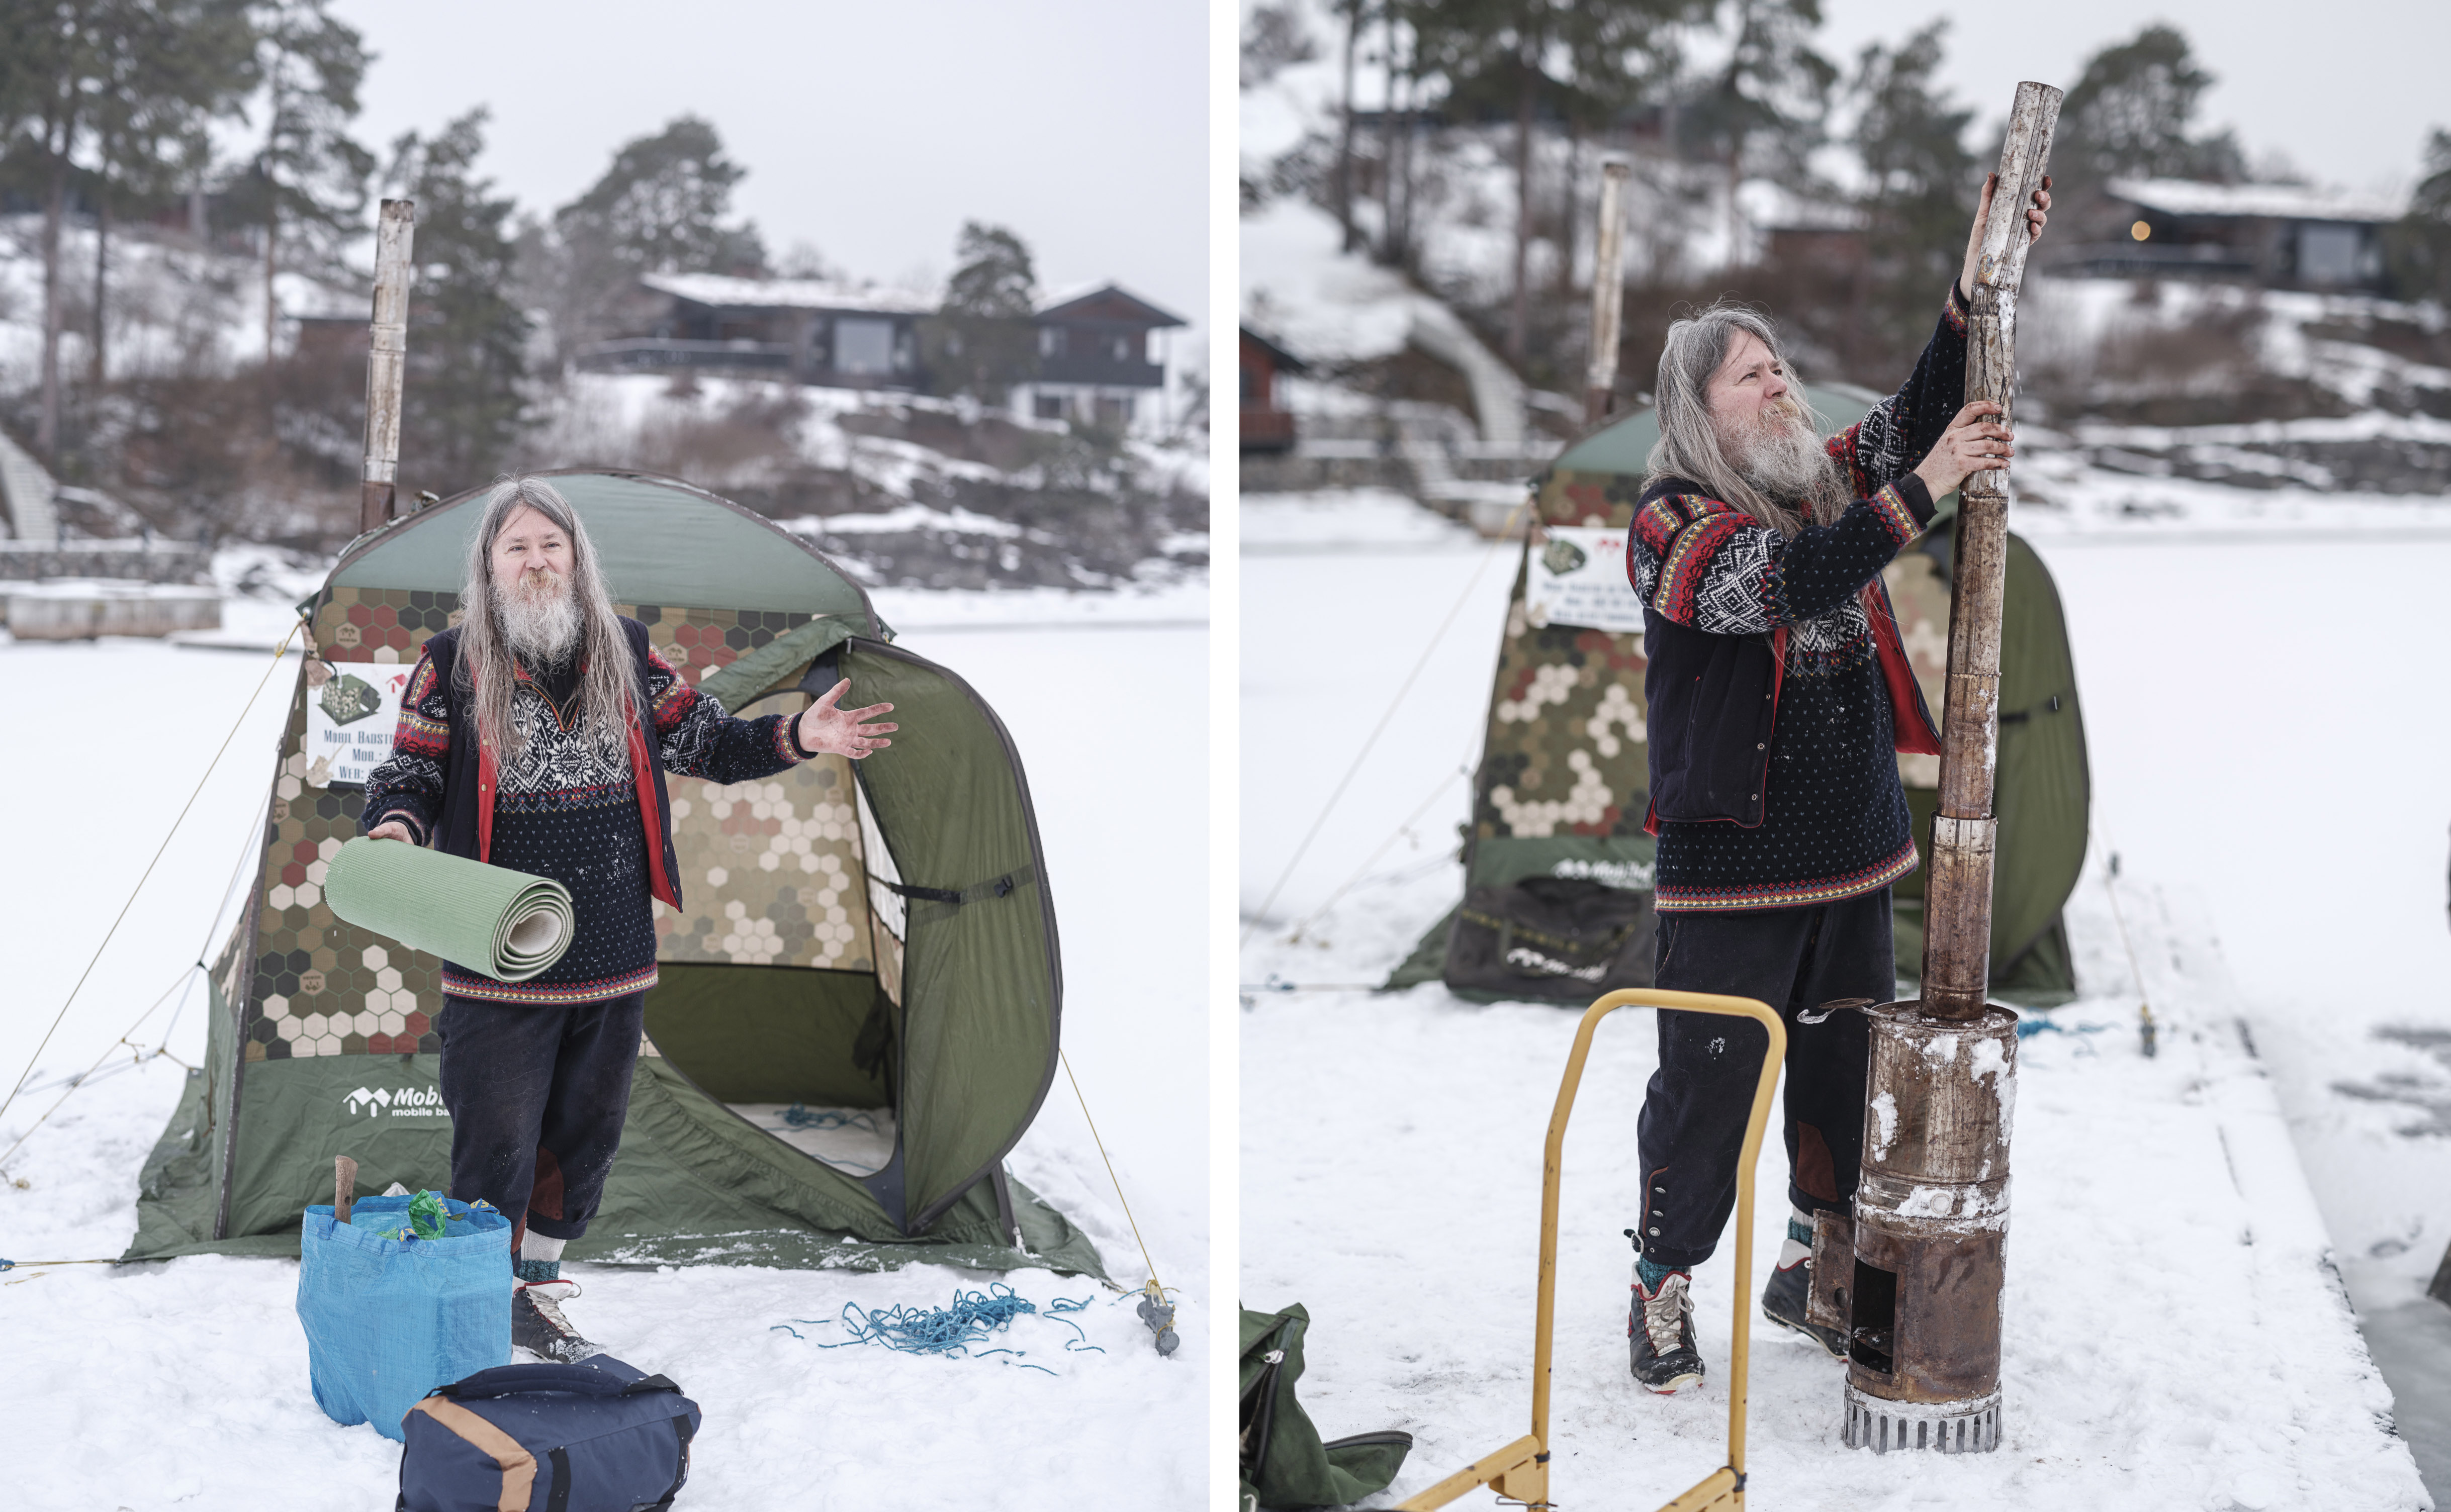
1799 1238
1651 1273
540 1257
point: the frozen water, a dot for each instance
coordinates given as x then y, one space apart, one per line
2176 1330
186 1383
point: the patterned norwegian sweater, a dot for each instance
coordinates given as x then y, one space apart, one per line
565 808
1834 822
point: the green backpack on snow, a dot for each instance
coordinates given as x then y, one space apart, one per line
1284 1464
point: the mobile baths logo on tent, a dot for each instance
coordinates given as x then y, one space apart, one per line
402 1102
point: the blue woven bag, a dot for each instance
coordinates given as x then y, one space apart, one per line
388 1320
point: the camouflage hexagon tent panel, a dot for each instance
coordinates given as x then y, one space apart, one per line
858 1008
1557 872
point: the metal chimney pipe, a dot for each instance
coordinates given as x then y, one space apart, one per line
1930 1221
1608 295
386 363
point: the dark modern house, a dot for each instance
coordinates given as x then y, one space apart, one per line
1100 357
812 330
2277 235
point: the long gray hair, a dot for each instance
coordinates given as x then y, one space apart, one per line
1688 445
607 695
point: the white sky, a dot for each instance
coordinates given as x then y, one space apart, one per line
2347 87
870 131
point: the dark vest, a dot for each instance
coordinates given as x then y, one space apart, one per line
466 824
1713 708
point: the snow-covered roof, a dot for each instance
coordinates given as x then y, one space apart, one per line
2281 201
790 293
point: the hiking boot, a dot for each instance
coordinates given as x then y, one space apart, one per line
538 1326
1784 1300
1659 1331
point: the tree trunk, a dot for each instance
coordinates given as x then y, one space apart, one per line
101 279
1344 149
55 208
1567 237
271 245
1387 145
1736 217
1957 956
1519 321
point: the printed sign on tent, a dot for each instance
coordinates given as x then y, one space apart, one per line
1578 578
352 708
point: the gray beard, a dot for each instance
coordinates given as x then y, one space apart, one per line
543 632
1788 463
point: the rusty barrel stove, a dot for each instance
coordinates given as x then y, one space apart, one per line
1916 1276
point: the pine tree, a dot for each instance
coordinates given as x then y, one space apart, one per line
462 408
2128 116
2418 246
1522 57
660 207
306 183
172 69
982 341
1763 110
55 55
1911 138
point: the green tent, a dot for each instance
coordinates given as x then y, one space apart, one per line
1564 781
858 1008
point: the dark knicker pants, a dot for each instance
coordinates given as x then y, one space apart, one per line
537 1095
1693 1126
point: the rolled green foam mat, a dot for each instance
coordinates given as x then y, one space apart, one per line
506 923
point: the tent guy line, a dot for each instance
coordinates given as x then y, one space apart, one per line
186 979
278 652
1465 771
1505 531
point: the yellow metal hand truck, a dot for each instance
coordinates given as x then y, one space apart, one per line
1520 1472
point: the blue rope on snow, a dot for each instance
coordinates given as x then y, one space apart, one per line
975 1318
2029 1027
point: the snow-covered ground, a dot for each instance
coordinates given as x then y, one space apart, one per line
2176 1334
184 1383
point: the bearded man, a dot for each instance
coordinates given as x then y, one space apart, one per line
1779 696
534 736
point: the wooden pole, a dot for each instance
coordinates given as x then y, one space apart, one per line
386 363
1957 951
1608 296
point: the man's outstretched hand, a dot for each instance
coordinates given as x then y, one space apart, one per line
843 732
2037 215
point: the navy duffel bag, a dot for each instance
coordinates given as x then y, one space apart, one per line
599 1436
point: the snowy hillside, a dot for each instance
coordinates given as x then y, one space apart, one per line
907 489
2177 1333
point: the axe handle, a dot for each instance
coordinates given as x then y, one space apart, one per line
344 1187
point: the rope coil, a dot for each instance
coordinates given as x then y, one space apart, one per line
975 1317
